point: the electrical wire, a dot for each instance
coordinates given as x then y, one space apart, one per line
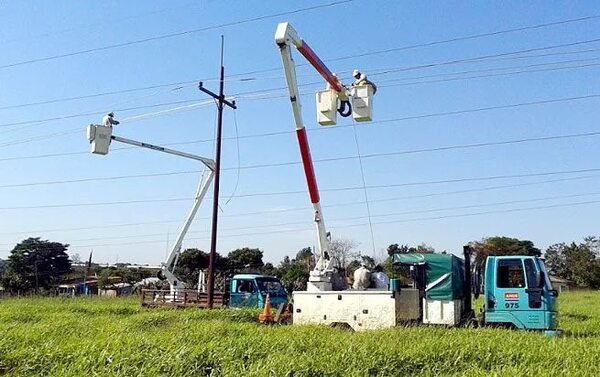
412 212
372 155
263 212
242 94
239 163
297 230
504 56
364 185
295 192
172 35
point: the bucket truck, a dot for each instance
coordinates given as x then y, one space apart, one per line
286 37
517 291
100 138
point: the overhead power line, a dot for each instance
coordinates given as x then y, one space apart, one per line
242 94
86 114
409 220
472 59
172 35
178 84
294 192
412 212
263 212
467 37
413 117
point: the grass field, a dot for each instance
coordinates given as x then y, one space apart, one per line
115 337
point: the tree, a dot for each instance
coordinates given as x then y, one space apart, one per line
576 262
294 273
245 257
35 264
501 246
191 261
423 248
341 252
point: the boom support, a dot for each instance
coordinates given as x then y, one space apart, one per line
100 137
286 36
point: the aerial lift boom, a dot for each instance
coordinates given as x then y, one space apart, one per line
286 36
100 137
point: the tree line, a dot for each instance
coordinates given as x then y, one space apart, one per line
37 266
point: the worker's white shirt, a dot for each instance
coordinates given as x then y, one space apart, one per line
362 279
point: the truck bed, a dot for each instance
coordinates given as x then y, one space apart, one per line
152 298
361 310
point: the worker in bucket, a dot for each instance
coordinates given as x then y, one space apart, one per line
361 79
362 278
108 120
379 279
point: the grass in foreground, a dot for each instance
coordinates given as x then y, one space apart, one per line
115 337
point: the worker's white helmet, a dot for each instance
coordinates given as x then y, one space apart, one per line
356 73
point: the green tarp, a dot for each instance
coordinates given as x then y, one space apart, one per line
444 274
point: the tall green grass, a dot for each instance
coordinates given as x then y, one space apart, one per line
116 337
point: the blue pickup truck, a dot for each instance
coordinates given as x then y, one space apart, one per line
250 291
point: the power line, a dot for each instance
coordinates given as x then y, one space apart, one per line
485 57
397 198
99 25
296 230
258 166
457 112
397 83
473 59
172 35
413 151
468 37
334 189
79 115
95 95
493 204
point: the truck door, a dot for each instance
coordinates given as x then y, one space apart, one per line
518 294
510 289
243 293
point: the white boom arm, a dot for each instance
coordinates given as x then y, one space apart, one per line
100 137
286 36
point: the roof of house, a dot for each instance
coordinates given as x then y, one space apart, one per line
556 279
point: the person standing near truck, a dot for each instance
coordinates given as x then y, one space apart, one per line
379 279
362 278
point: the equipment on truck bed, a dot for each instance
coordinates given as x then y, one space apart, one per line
100 137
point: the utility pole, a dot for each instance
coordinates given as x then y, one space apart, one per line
215 210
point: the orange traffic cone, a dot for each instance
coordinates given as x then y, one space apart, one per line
266 317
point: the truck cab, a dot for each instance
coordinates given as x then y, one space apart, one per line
518 293
250 291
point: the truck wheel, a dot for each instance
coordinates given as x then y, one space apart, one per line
342 326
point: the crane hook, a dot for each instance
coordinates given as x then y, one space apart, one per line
345 108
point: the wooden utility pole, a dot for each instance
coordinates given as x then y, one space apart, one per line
215 208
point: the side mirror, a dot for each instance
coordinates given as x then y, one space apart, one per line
539 279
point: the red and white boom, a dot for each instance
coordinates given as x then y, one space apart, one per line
286 36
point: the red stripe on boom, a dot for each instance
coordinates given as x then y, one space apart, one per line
309 171
314 60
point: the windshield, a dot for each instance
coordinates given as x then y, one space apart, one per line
546 276
272 286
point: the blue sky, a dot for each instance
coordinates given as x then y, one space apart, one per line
418 87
